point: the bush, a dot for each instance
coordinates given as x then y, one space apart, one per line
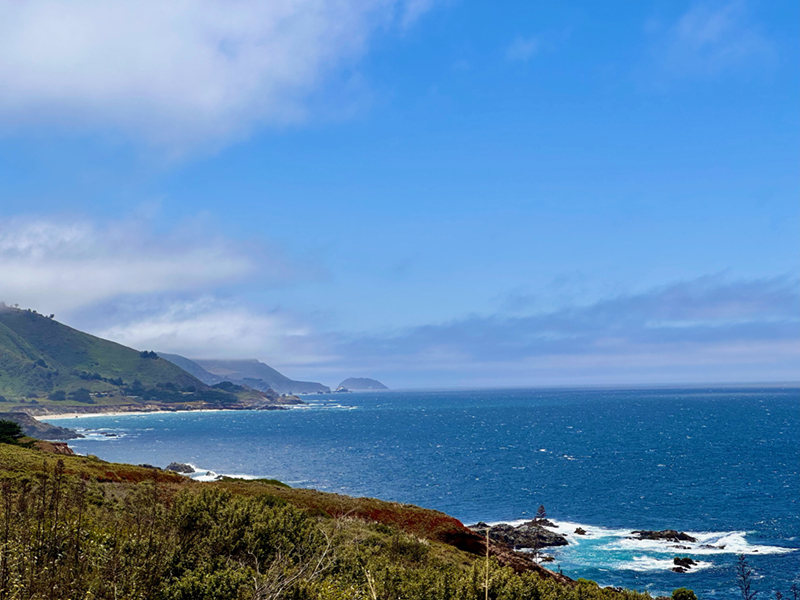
81 395
683 594
58 395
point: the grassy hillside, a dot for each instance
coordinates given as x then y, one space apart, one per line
79 527
46 366
39 354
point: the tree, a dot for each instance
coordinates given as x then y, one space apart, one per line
744 578
541 514
683 594
10 432
58 395
81 395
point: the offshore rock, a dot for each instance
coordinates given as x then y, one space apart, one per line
527 535
682 565
669 535
180 468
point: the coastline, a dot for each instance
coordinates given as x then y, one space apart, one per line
125 413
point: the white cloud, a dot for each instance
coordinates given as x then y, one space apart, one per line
522 48
209 327
178 72
58 266
710 38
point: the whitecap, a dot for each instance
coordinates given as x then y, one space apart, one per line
648 563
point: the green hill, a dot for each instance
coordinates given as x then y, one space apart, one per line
39 355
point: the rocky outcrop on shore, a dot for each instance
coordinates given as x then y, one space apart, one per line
54 447
36 429
531 534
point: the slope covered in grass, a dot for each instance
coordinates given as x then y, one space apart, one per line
39 354
79 527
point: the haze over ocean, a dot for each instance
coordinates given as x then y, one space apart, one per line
722 463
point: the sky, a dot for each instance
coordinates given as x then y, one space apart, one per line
434 193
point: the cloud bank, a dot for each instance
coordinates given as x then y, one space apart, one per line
710 329
186 291
180 72
65 265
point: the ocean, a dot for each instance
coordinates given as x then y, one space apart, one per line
720 464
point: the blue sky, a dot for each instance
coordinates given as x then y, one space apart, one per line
431 193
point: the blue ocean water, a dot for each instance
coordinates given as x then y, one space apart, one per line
723 464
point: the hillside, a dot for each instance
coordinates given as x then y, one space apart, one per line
76 527
358 384
39 354
259 376
46 366
192 368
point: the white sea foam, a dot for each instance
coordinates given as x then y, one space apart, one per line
100 435
623 540
708 543
201 474
648 563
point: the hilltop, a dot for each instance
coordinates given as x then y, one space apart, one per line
46 366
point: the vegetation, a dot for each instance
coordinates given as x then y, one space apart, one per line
39 354
78 527
10 432
46 363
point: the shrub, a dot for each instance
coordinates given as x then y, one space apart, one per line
683 594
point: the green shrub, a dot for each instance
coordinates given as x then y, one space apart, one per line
683 594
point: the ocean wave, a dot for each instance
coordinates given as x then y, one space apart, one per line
109 435
648 563
708 543
622 540
202 474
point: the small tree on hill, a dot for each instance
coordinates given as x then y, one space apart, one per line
10 432
744 578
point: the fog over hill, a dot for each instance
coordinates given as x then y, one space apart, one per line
249 372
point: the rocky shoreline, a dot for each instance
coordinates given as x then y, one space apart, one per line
534 534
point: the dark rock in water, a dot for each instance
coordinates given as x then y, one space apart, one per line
669 535
678 570
686 563
527 535
580 531
547 558
710 547
180 468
